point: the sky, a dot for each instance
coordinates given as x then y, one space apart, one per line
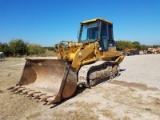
47 22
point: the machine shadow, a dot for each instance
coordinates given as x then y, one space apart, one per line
121 70
78 91
81 89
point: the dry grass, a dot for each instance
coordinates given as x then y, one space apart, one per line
84 112
133 85
1 91
117 101
156 106
137 102
126 118
108 113
49 53
113 116
33 115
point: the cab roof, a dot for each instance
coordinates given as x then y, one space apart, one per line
95 19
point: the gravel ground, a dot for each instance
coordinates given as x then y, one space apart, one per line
143 69
134 95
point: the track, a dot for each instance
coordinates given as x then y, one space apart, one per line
95 73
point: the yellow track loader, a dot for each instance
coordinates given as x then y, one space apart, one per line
89 61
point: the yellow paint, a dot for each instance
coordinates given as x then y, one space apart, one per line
93 20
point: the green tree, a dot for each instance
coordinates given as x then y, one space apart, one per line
144 47
34 49
136 44
121 44
49 48
155 46
4 47
18 47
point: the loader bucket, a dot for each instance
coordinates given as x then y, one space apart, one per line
50 80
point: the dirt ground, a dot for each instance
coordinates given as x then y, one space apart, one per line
134 95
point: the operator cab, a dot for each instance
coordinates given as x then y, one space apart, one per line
97 30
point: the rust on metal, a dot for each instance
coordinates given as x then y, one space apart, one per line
50 79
